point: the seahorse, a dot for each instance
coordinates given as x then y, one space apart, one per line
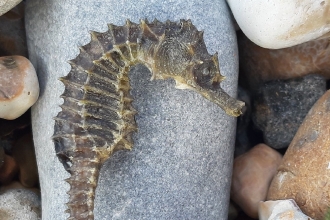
97 118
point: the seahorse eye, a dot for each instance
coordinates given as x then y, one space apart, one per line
206 71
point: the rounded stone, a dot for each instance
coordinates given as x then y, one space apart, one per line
280 24
280 106
259 65
305 169
180 166
19 86
252 174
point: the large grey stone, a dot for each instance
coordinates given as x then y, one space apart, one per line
180 167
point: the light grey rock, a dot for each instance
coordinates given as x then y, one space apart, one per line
20 204
6 5
180 167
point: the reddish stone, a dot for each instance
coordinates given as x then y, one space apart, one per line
252 174
8 170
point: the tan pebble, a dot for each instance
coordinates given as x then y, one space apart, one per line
6 5
8 170
304 174
18 85
252 174
260 65
24 155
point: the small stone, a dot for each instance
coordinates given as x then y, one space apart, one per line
8 170
259 65
281 105
19 86
24 155
281 210
252 174
6 5
304 174
279 24
20 204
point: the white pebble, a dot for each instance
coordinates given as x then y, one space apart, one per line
19 87
278 24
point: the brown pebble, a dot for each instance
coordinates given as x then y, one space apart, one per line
24 155
8 170
304 174
252 174
260 65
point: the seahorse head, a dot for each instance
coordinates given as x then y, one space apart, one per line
180 53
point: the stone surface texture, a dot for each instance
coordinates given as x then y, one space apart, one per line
180 167
259 65
6 5
20 204
280 24
281 210
252 175
18 85
305 170
280 106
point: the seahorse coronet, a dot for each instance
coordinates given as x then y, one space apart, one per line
97 117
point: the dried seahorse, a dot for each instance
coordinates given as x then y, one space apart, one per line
97 118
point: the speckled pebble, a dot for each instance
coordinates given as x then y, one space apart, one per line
304 174
19 204
280 106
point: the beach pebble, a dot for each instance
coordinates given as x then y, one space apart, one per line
281 105
304 174
24 155
8 170
281 210
19 204
6 5
19 86
259 65
278 24
252 174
